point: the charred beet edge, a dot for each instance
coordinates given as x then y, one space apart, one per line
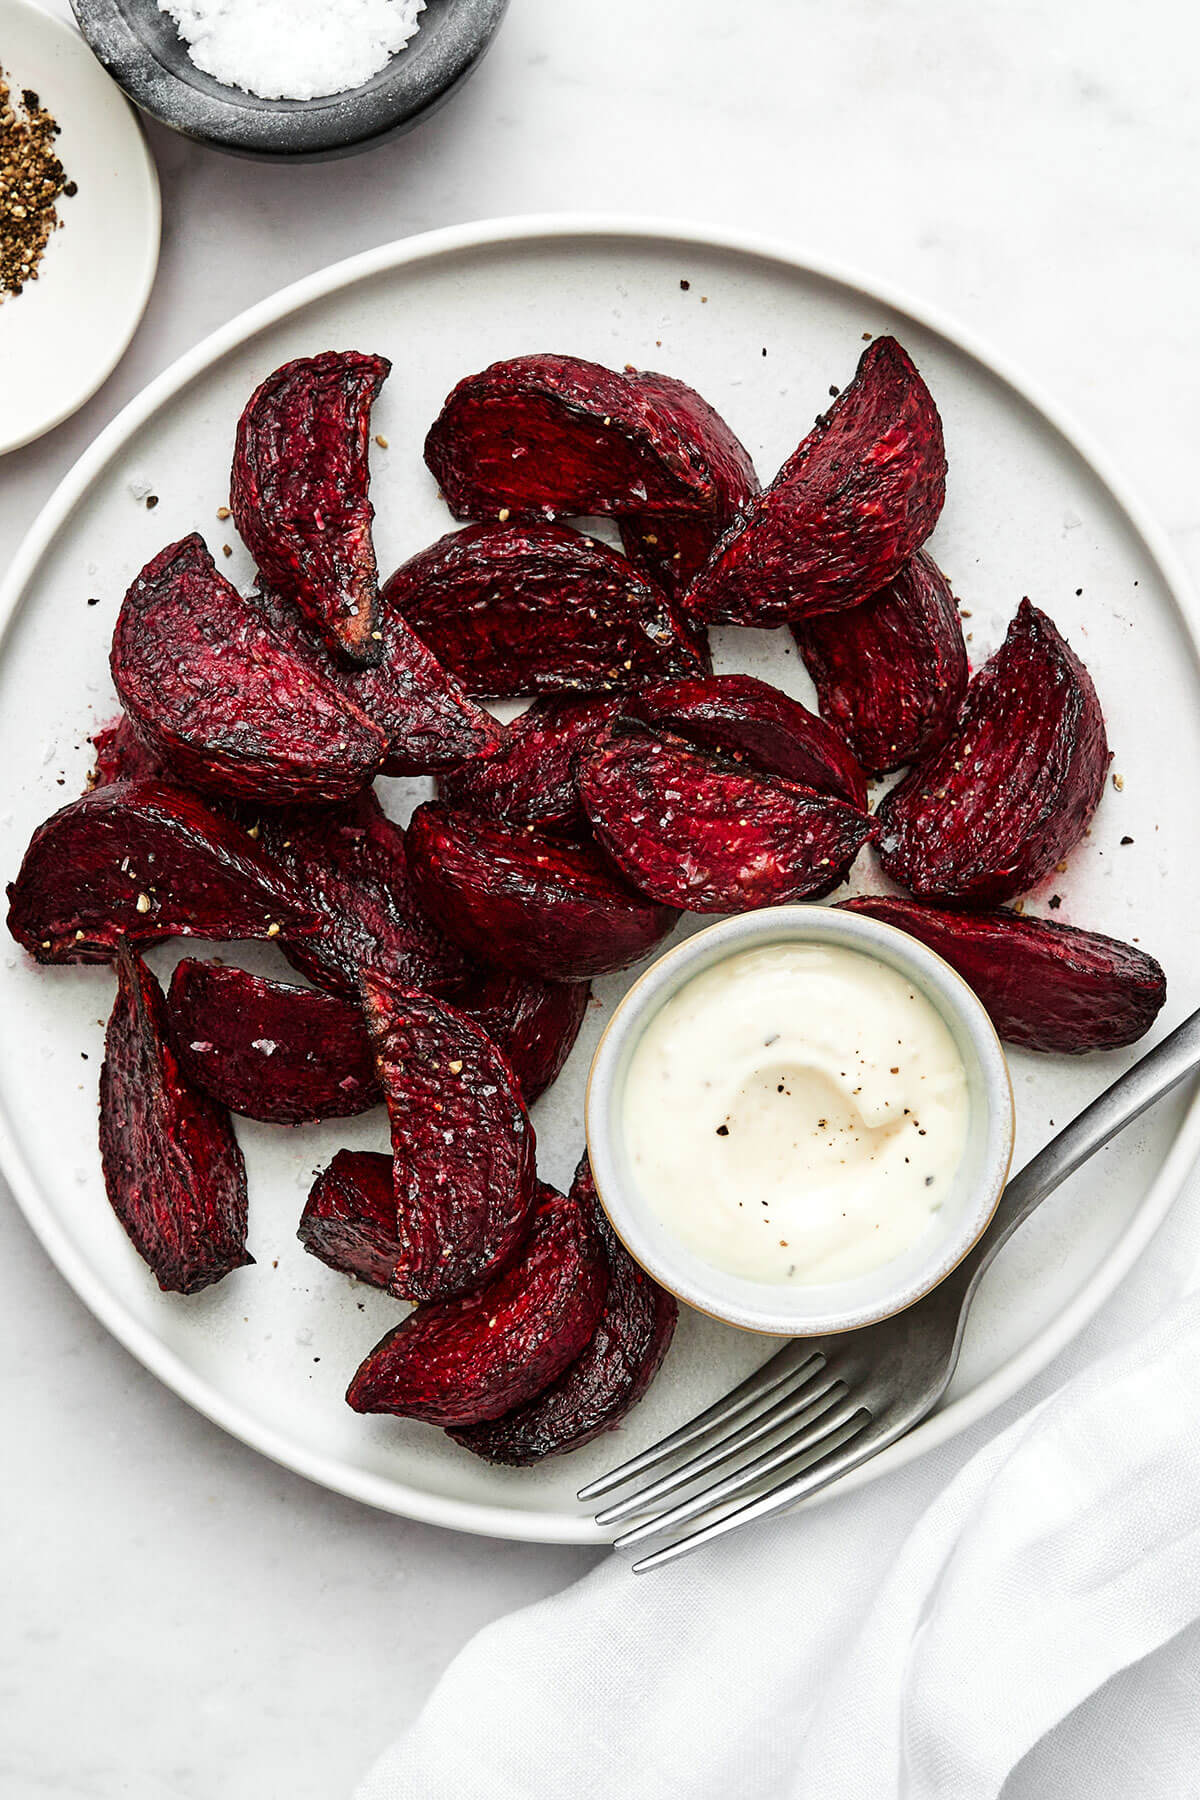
543 436
349 1219
462 1143
890 674
1011 791
427 719
534 1022
532 776
535 904
610 1375
479 1356
512 610
351 863
299 492
269 1051
694 832
229 705
671 550
141 860
753 722
1046 986
172 1167
846 511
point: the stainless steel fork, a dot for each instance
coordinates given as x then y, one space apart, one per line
824 1405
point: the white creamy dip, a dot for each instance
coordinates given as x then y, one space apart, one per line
796 1113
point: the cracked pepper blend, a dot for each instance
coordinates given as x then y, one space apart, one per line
31 180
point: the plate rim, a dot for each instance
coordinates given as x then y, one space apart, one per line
385 1493
151 205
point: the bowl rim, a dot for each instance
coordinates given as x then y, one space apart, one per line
953 998
329 125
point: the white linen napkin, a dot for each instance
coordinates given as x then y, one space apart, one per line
1036 1583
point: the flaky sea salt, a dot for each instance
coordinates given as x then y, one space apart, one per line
293 49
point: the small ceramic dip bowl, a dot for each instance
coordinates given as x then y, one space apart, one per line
794 1308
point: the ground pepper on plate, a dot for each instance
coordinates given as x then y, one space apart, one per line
31 180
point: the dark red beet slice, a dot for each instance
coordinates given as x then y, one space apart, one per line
172 1167
484 1353
891 673
351 864
606 1380
671 550
461 1140
269 1051
299 492
845 512
532 776
142 860
546 908
753 722
536 609
427 719
544 436
349 1219
1011 791
122 756
534 1022
695 832
229 705
1046 986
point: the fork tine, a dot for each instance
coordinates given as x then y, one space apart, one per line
815 1440
781 1367
795 1401
844 1456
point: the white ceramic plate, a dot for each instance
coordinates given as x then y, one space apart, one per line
268 1352
66 332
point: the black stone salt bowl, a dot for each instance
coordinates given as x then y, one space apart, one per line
144 53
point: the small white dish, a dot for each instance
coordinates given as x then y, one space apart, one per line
787 1309
65 332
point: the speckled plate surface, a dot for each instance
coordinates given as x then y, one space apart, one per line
141 48
268 1352
66 331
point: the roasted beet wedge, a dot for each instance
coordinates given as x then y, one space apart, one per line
480 1355
172 1167
461 1140
890 674
545 436
610 1375
299 492
141 860
534 1022
428 721
671 550
532 776
1046 986
535 904
753 722
122 756
692 831
845 512
229 705
1011 791
351 864
536 609
269 1051
349 1219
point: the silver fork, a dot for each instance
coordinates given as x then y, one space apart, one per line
822 1406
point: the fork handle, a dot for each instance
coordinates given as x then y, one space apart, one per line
1169 1063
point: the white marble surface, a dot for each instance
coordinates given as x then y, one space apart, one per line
181 1618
